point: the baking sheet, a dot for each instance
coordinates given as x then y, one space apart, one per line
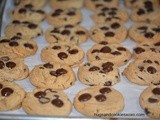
129 90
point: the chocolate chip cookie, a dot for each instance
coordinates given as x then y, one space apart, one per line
11 96
149 101
64 53
114 52
47 102
71 33
99 101
61 17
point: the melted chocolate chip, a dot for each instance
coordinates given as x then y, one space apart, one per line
105 49
109 34
16 22
149 35
140 12
65 32
103 43
13 44
121 49
104 28
56 47
1 86
95 50
72 13
4 41
57 102
115 25
151 70
6 91
94 68
48 65
147 61
152 100
156 91
141 68
157 44
73 51
22 11
107 64
40 94
62 55
115 53
28 45
55 30
11 65
84 97
32 26
61 71
105 90
112 13
2 65
139 50
28 6
105 9
100 98
143 28
80 33
156 29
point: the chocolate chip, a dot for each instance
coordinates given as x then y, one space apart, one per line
2 65
103 43
107 0
107 69
156 29
140 12
139 50
28 6
108 83
149 35
115 53
157 44
112 13
40 11
156 62
40 94
98 5
146 111
100 98
48 65
4 41
13 44
1 86
104 28
121 49
62 55
44 100
28 45
65 32
105 9
101 14
11 65
107 64
61 71
16 22
143 28
84 97
58 10
71 13
53 73
152 100
109 34
80 33
105 49
73 51
156 91
6 91
115 25
56 47
94 68
147 61
151 70
95 50
22 11
55 30
57 102
105 90
16 37
55 14
141 68
69 26
97 58
32 26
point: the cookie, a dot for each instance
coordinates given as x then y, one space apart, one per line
12 68
66 4
47 102
17 46
108 14
99 72
99 101
60 17
149 13
27 13
145 32
23 29
11 96
53 75
36 4
64 53
97 4
146 49
112 32
149 101
144 71
113 52
74 34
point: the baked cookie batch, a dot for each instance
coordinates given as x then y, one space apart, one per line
65 36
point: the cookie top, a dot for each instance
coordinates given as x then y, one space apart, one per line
98 4
106 14
146 49
145 32
11 95
99 72
61 17
100 100
149 101
54 75
12 68
66 4
17 46
64 53
27 13
47 101
111 32
23 29
115 52
144 71
75 34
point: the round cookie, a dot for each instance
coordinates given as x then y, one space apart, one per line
112 32
144 71
149 100
17 46
47 102
99 101
27 13
66 4
97 4
53 75
64 53
24 29
36 4
61 17
12 68
146 49
99 72
106 14
74 34
145 32
11 96
112 52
